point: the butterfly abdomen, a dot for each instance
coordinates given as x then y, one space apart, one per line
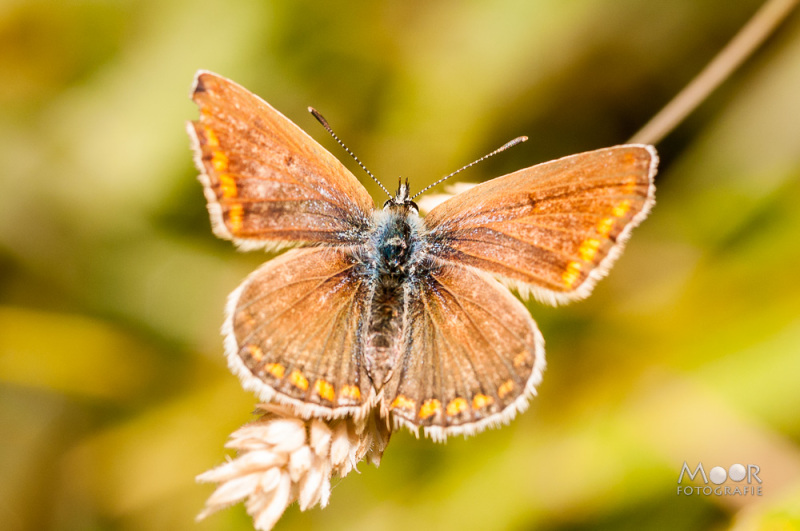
393 249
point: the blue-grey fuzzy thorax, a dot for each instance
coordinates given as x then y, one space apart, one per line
395 242
392 255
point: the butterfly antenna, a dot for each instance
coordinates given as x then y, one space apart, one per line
518 140
321 119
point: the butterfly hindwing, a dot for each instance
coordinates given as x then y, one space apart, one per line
268 183
472 355
293 332
552 229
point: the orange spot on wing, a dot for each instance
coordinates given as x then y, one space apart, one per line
571 273
255 352
506 388
350 391
275 369
621 209
324 390
604 227
480 401
588 249
520 359
219 161
429 408
227 185
456 406
211 138
403 402
297 379
235 217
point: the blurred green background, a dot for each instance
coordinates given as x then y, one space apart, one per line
113 389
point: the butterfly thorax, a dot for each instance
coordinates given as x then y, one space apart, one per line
392 256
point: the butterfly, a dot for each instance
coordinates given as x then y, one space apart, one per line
382 308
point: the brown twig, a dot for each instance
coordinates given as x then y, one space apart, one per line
749 38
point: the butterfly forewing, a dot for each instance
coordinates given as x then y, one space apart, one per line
552 229
293 332
266 181
472 355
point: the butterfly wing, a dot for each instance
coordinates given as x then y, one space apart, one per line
293 332
266 181
472 358
553 229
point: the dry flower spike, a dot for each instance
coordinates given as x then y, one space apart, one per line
282 459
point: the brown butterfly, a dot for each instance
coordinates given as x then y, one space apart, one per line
384 308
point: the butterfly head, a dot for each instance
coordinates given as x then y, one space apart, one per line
402 198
